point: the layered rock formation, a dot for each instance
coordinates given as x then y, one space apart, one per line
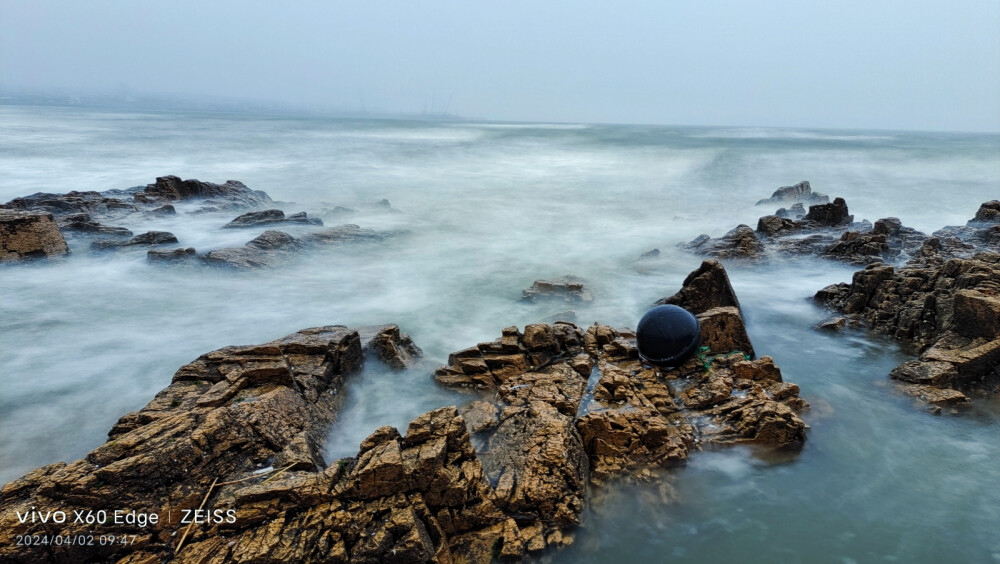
237 435
231 195
567 288
949 312
800 193
27 235
270 217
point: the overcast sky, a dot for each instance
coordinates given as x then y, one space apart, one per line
914 64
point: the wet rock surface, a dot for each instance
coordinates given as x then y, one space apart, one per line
740 242
270 217
567 288
145 239
231 195
950 313
240 429
800 193
29 235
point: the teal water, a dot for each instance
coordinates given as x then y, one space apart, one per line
483 209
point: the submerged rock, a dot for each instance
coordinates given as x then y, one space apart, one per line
268 217
800 193
265 250
26 235
568 288
148 238
172 255
84 224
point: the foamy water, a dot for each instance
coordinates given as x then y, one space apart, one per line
481 211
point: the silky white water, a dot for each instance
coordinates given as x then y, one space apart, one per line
481 210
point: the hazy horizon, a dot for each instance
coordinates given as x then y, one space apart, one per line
924 66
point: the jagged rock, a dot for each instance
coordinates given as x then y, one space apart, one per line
172 255
428 495
268 217
740 242
886 242
987 214
830 215
949 312
148 238
568 288
265 250
799 193
231 195
772 225
26 235
387 344
706 288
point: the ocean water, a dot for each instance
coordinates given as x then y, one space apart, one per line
481 210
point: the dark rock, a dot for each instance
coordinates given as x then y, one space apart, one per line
74 202
266 250
567 288
82 223
706 288
231 195
268 217
29 234
387 344
172 255
148 238
741 242
829 215
800 193
165 209
772 225
650 254
988 214
797 211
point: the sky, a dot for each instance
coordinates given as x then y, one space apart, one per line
915 64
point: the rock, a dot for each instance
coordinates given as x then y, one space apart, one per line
384 203
886 242
797 211
82 223
833 324
706 288
388 345
932 395
71 203
231 195
650 254
987 214
949 312
268 217
772 225
829 215
567 316
568 288
27 235
343 234
799 193
480 416
740 242
165 209
265 250
148 238
172 255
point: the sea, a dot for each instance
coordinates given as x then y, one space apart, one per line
478 211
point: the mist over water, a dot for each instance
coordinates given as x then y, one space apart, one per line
480 211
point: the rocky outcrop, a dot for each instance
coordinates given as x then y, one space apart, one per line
146 239
887 241
387 344
740 242
231 195
829 215
567 288
270 217
988 214
59 205
27 235
84 224
238 434
800 193
949 313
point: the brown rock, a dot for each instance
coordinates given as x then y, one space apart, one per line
26 235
